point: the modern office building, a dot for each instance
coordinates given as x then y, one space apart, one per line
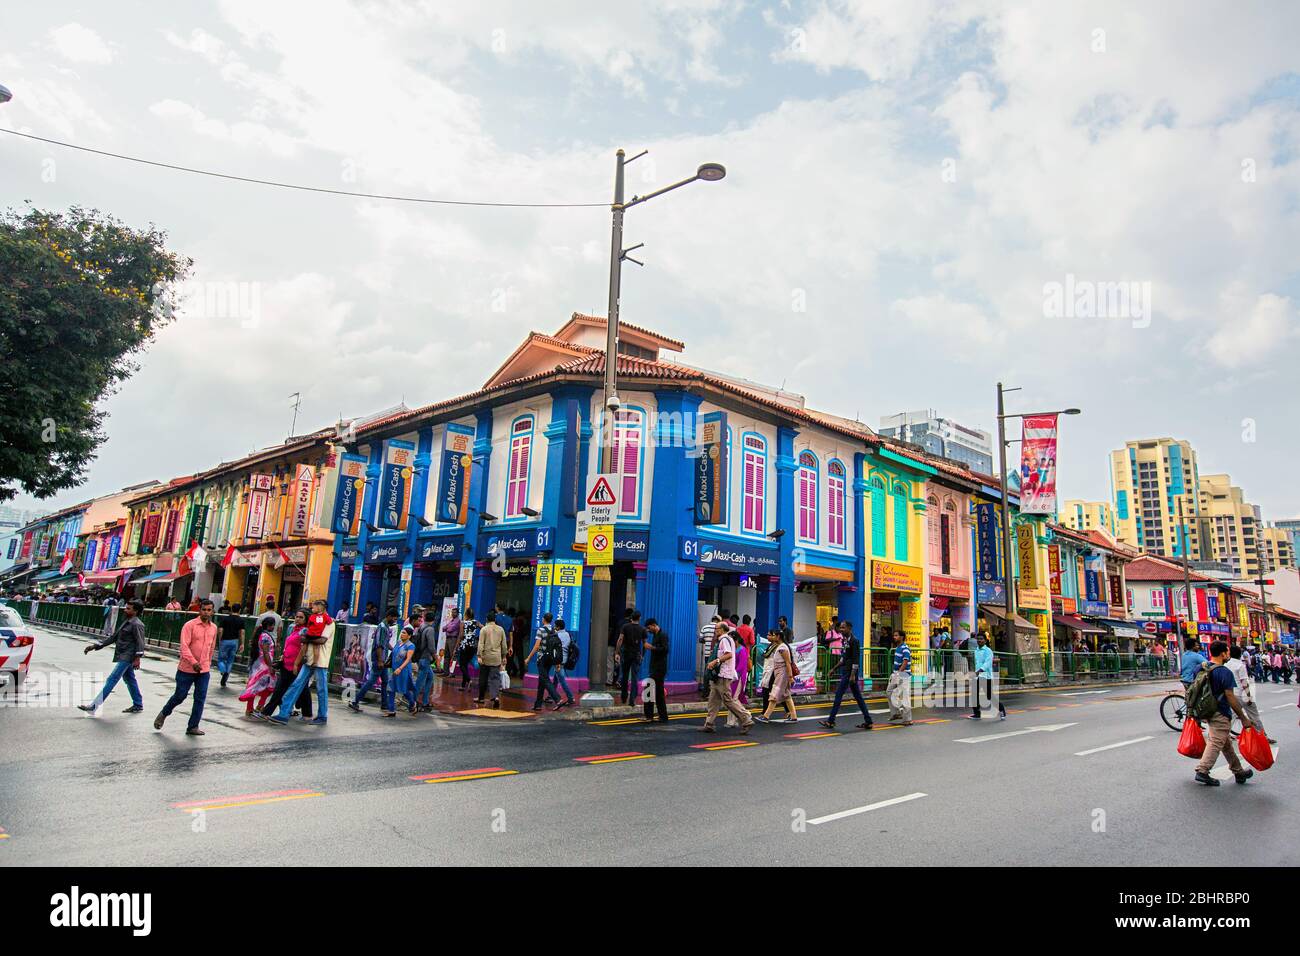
1079 515
942 437
1154 484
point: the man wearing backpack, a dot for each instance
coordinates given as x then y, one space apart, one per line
567 646
1211 698
1192 661
546 648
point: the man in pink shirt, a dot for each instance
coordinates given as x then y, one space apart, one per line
198 641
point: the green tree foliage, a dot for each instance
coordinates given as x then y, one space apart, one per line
81 295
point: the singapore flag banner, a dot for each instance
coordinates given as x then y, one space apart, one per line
1038 465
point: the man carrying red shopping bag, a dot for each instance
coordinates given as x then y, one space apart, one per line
1211 698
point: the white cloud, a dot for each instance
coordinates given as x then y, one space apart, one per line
1252 331
80 44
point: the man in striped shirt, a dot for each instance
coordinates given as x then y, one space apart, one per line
900 682
707 634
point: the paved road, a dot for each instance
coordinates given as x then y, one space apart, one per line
83 791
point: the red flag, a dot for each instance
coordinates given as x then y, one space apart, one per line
196 554
228 556
66 563
283 557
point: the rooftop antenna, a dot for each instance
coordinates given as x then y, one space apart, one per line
297 404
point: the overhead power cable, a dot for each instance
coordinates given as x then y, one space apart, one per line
310 189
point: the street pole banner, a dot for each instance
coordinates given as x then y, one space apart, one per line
541 593
566 594
711 470
395 482
1038 465
348 495
300 521
259 497
453 474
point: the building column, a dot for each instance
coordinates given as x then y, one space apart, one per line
564 486
854 600
478 489
419 495
785 518
671 593
365 591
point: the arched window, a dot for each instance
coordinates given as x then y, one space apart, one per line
754 489
934 536
808 491
629 458
877 517
836 503
520 464
900 522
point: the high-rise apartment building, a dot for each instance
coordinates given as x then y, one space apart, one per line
1154 483
1230 526
943 437
1087 516
1278 548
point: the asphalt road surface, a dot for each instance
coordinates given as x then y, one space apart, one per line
1074 776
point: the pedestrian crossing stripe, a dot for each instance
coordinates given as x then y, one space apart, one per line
250 800
726 745
591 761
814 736
456 776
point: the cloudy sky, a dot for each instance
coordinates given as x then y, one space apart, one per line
905 183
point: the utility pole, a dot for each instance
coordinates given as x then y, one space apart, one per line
1187 571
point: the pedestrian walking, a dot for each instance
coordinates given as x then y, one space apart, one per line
565 640
546 648
492 653
269 613
404 670
1218 714
984 679
380 666
450 641
850 669
317 643
656 647
468 646
720 672
286 669
172 605
780 662
740 686
261 674
899 688
128 648
708 634
1193 661
1245 690
426 657
627 656
198 643
230 641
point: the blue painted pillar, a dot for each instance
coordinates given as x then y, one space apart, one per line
853 602
419 494
483 589
671 594
564 486
785 519
364 590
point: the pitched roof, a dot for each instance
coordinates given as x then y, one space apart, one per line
1149 567
579 318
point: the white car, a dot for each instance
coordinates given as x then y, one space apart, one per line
17 642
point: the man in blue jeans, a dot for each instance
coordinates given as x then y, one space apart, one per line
316 660
380 670
850 664
128 641
232 634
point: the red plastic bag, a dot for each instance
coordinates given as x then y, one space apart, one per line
1255 749
1192 742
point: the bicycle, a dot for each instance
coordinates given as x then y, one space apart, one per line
1173 712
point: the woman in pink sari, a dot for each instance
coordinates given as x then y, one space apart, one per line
740 686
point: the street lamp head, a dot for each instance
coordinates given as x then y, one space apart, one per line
709 172
1071 411
6 96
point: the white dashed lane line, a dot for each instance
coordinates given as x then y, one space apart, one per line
869 807
1122 743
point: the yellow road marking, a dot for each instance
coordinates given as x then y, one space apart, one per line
251 803
620 759
472 776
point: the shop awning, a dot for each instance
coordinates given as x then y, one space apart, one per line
151 578
108 577
15 574
58 580
1119 628
46 576
1076 623
171 576
994 610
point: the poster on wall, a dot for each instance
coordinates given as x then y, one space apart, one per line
395 484
348 495
711 470
1038 465
259 498
355 656
454 469
300 518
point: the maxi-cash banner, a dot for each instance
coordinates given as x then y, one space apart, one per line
453 473
1038 466
711 470
348 495
395 483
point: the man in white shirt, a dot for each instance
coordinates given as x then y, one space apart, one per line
720 673
707 634
1245 688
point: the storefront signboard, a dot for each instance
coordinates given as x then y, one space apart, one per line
386 552
1094 608
348 495
439 549
300 519
1034 599
711 467
745 558
986 524
395 484
259 496
1026 546
523 543
542 589
913 630
1054 569
990 592
887 576
950 587
456 463
566 594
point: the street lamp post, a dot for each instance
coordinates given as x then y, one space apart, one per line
1009 624
5 95
598 629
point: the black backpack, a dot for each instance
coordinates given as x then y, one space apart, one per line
552 646
571 657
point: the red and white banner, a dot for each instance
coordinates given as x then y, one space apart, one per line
1038 465
259 499
300 521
